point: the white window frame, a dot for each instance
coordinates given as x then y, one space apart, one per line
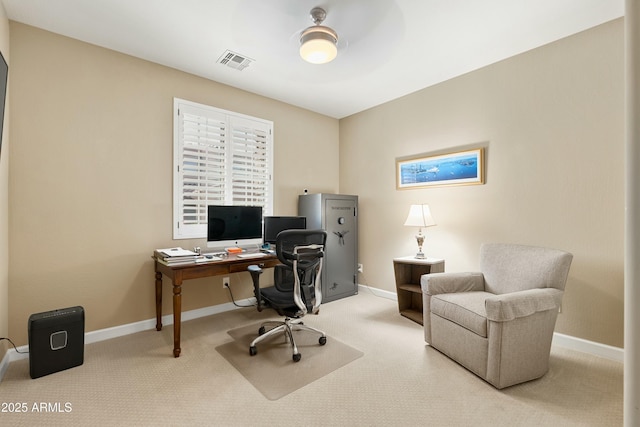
225 174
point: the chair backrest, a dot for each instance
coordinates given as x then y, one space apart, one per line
510 268
287 240
301 252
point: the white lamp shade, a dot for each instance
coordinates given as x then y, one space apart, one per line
419 216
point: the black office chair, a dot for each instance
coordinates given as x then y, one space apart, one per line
296 289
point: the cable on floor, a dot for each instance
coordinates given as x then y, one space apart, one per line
14 346
234 301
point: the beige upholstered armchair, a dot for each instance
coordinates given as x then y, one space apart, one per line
498 322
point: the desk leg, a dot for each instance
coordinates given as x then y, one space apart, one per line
158 301
177 315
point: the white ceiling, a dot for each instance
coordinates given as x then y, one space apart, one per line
387 48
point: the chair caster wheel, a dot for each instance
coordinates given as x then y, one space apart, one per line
253 350
262 330
297 357
322 340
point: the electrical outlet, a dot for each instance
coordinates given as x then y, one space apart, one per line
226 282
360 268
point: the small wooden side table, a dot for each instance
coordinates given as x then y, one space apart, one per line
407 272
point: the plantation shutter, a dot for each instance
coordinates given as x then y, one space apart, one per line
219 158
250 166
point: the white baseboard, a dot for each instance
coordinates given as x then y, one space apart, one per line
560 340
4 364
378 292
144 325
131 328
589 347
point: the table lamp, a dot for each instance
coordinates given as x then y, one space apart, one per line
419 216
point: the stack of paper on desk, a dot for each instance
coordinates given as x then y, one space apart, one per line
174 256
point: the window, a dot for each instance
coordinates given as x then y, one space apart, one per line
220 157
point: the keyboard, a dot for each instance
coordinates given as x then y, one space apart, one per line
252 255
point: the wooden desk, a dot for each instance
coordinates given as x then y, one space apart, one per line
180 273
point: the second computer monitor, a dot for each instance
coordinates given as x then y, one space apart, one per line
275 224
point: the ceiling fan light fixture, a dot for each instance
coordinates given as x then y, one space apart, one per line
318 44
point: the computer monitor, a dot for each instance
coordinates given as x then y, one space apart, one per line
275 224
233 226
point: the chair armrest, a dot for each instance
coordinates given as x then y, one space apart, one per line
254 269
506 307
448 283
255 272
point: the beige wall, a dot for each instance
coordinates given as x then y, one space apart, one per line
91 184
90 191
4 196
552 124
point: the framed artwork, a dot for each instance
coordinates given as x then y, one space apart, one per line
459 168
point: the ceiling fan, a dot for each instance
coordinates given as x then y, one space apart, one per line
318 43
361 28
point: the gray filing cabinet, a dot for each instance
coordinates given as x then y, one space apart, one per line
338 215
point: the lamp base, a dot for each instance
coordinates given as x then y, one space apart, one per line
420 240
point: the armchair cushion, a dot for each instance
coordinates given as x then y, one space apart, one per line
466 309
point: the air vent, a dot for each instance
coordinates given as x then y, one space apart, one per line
234 60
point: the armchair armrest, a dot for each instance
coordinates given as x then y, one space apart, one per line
445 283
506 307
448 283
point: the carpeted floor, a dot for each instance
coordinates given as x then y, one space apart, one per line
134 380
